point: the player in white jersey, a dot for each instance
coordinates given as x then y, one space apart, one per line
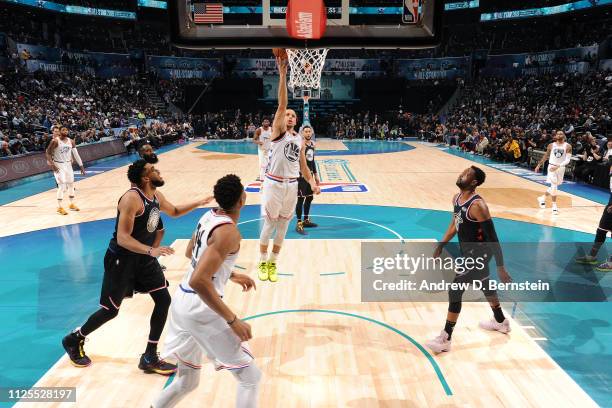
286 160
200 321
59 154
558 154
262 140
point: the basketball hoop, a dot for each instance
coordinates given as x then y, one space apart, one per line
306 66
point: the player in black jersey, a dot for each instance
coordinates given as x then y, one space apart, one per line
605 226
130 264
305 195
477 239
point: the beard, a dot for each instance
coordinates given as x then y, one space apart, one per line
157 183
461 184
150 158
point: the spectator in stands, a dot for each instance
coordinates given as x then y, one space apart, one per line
5 150
590 158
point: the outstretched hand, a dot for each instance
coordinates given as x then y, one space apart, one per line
282 64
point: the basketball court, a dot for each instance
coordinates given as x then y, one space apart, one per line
317 343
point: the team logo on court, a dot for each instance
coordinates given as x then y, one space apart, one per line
292 152
153 220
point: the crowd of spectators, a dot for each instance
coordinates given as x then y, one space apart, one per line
504 119
31 103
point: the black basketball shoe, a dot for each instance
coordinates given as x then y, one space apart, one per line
153 364
73 344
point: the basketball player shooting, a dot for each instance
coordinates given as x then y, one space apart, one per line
559 154
59 154
477 239
287 159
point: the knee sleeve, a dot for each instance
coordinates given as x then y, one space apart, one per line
60 191
454 307
248 376
70 189
266 231
281 231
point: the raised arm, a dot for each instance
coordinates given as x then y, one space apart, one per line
279 126
178 210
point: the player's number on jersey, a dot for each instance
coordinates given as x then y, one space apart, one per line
198 242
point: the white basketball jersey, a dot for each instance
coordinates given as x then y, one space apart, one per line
558 153
63 151
285 156
265 136
206 225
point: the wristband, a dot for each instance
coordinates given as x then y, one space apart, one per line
233 320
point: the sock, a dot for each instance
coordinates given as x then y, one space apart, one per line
307 207
449 327
554 205
263 257
298 208
151 348
498 313
272 257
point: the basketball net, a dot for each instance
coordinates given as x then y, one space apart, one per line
306 66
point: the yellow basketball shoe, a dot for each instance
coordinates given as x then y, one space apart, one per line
262 271
272 272
61 211
74 207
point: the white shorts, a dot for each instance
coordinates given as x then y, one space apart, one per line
555 177
194 329
65 174
278 199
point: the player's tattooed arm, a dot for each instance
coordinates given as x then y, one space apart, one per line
544 158
49 154
129 206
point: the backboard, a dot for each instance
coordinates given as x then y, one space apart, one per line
231 24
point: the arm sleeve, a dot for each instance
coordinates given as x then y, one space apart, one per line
77 158
568 157
490 236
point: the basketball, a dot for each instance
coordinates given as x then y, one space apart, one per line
280 53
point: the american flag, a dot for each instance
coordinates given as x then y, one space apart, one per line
208 13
